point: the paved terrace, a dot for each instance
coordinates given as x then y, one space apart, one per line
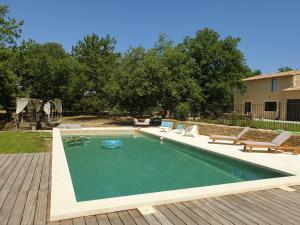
25 193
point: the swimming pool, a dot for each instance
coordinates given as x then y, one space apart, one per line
97 178
145 164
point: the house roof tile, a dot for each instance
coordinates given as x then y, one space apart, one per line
273 75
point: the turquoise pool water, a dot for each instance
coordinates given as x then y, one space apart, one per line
144 164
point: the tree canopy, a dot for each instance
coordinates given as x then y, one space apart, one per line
197 74
284 69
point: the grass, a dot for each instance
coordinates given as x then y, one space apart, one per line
22 142
96 121
259 124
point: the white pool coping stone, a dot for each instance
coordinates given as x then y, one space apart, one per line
63 201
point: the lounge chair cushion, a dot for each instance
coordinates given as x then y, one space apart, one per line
179 126
223 137
243 132
191 131
166 124
284 136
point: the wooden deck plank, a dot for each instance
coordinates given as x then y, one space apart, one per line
191 214
114 218
4 158
282 208
30 206
29 176
267 206
256 209
9 167
161 218
44 184
29 210
35 184
137 217
181 214
221 211
17 212
91 220
246 210
66 222
9 202
201 213
53 223
237 214
126 218
171 216
13 172
41 208
210 212
151 219
20 176
102 219
281 199
293 196
79 221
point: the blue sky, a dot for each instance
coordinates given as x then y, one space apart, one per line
269 29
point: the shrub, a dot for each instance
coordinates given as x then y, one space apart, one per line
183 111
116 111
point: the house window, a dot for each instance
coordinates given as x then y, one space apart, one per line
270 106
247 108
274 85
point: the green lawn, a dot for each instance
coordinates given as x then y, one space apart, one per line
21 142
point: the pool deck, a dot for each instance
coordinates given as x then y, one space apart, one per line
286 162
25 194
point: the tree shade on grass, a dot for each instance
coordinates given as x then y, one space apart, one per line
21 142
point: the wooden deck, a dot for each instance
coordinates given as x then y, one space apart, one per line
24 199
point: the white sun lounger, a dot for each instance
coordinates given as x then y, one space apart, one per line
235 139
145 123
191 131
275 144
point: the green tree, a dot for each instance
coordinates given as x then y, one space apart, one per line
183 111
178 85
98 56
8 79
284 69
46 72
256 72
10 30
220 67
137 81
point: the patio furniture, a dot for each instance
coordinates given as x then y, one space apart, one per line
235 139
166 126
275 144
179 129
137 123
191 131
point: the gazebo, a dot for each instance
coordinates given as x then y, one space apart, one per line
53 109
29 112
30 105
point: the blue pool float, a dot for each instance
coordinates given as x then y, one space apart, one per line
111 144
